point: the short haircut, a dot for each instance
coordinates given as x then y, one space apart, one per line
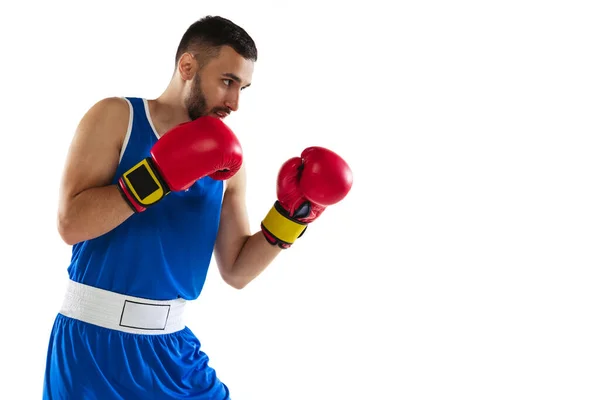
205 37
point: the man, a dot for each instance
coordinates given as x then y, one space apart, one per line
150 189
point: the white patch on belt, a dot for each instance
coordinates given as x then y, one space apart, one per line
144 315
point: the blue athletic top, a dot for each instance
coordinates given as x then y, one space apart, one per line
164 252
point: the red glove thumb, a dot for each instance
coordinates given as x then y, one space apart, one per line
290 195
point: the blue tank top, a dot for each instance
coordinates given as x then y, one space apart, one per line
164 252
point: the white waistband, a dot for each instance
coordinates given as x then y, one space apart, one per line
120 312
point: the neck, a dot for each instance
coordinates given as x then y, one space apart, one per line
169 106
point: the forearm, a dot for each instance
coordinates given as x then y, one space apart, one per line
254 257
92 213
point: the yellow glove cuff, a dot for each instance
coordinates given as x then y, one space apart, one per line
282 227
144 183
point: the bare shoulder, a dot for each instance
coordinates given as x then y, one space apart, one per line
95 149
103 127
108 117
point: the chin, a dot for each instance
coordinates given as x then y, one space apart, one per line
195 115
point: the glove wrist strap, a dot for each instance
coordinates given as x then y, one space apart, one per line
280 229
142 185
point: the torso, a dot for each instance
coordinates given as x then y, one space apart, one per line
164 252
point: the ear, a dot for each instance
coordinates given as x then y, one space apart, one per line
187 66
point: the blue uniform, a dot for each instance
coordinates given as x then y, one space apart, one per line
161 254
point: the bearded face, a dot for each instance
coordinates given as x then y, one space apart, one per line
196 100
216 85
197 104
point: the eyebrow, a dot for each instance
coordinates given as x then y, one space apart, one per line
235 78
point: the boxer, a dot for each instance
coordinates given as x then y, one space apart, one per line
151 190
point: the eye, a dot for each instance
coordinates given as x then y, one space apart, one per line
227 82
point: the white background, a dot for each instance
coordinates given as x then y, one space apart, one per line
464 262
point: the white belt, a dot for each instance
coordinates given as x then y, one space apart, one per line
120 312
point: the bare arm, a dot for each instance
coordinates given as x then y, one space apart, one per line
241 256
89 205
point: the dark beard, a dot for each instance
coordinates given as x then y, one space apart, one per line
196 102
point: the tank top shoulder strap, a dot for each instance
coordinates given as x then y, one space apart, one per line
140 136
141 115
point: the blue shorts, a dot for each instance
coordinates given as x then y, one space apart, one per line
89 362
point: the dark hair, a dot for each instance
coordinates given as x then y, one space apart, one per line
212 32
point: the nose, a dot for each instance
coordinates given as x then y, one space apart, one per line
232 101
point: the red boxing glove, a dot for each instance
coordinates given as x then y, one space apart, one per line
186 153
306 186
